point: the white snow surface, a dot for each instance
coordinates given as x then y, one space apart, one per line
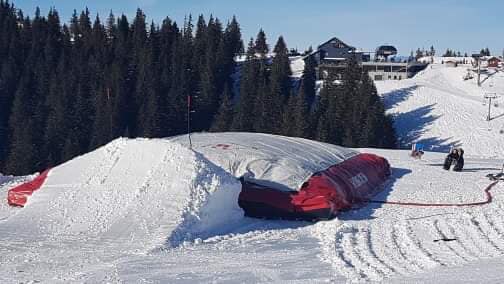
154 211
440 59
441 110
297 65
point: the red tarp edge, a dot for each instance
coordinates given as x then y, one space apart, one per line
18 196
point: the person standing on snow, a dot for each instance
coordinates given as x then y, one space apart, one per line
455 157
460 161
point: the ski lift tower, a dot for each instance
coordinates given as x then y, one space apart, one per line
489 97
477 57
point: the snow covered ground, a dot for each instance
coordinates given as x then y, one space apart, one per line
153 211
440 109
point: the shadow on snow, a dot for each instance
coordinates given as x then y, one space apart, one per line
411 125
366 211
395 97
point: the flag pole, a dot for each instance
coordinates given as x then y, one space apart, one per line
189 120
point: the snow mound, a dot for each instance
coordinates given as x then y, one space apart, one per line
160 193
147 193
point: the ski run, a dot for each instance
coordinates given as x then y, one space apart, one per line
156 211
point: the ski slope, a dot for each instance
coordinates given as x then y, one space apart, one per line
440 109
155 211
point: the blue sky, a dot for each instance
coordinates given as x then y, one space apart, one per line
465 25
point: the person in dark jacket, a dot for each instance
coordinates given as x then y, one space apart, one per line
456 157
460 161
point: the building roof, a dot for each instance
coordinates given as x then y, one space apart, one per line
451 60
385 50
335 40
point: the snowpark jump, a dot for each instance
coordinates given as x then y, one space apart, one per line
276 185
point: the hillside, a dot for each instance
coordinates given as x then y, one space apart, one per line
440 109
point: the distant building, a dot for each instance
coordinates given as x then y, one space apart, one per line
333 55
335 51
493 61
451 63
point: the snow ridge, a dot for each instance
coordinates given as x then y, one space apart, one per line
212 205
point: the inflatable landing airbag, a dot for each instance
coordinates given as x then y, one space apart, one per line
323 195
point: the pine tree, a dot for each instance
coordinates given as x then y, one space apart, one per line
150 119
277 96
210 76
348 103
303 115
137 72
309 81
169 41
322 116
121 82
419 54
289 126
246 112
11 67
261 47
233 38
58 104
231 46
22 154
224 118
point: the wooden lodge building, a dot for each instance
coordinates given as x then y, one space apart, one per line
493 61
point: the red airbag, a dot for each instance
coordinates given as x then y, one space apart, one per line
323 195
18 196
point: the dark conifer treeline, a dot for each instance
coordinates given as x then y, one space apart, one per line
68 89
